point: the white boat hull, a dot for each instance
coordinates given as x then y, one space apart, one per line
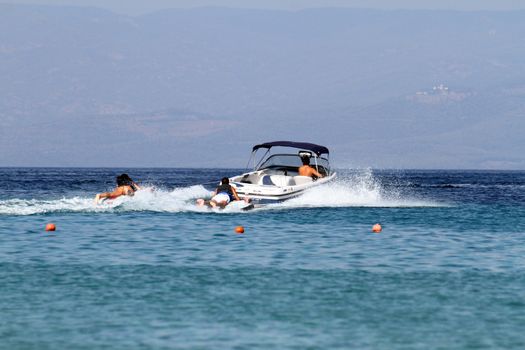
261 187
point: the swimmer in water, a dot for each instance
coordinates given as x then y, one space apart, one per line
223 195
125 187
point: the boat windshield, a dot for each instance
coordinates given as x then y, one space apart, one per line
291 162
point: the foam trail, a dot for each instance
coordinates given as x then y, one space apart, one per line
34 206
358 190
148 199
177 200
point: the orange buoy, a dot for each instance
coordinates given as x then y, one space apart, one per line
239 229
376 228
51 227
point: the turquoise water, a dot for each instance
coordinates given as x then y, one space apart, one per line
447 271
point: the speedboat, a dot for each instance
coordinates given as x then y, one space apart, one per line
275 175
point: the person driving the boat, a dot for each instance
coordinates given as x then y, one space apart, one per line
125 187
224 194
307 170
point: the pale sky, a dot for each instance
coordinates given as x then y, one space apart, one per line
137 7
191 89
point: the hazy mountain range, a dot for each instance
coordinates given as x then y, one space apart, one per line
198 87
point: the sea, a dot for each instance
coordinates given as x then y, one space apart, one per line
154 271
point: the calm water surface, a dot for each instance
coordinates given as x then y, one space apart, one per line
447 271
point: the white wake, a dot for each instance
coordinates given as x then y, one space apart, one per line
358 190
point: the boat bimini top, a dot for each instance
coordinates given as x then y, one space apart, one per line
317 149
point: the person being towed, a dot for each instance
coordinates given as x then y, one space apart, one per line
125 187
223 195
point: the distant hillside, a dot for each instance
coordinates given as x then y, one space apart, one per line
198 87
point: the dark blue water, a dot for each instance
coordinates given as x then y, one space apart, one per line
447 271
